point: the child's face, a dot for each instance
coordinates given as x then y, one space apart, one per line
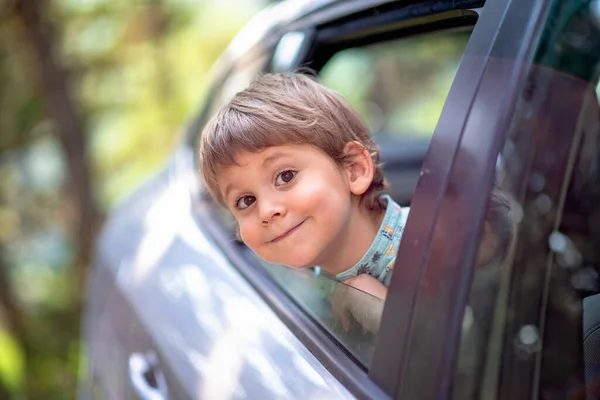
293 204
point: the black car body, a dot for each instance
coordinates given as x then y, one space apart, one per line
179 309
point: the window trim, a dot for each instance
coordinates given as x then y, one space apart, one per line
407 21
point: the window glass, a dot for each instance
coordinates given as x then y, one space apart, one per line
403 109
398 87
349 315
536 337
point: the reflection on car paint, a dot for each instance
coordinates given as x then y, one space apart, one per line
230 324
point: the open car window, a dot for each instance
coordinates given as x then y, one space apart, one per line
327 301
398 87
401 86
407 118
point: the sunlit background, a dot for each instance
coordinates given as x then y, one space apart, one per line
93 95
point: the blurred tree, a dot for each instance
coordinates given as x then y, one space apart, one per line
71 132
91 97
37 36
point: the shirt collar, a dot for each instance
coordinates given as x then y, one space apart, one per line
384 246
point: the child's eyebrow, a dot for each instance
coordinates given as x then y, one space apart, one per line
273 157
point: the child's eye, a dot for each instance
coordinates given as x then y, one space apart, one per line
285 177
244 202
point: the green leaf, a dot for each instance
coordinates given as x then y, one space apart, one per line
11 362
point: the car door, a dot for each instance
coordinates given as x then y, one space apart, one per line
125 360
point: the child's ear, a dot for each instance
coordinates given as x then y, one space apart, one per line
359 167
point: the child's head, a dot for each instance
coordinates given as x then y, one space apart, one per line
285 109
287 151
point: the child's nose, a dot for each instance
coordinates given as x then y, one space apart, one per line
270 210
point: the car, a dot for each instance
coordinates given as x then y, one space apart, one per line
463 97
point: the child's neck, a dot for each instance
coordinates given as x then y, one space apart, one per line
362 229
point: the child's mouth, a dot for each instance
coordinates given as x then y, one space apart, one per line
286 234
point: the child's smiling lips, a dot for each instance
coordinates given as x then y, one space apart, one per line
286 234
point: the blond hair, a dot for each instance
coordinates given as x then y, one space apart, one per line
284 109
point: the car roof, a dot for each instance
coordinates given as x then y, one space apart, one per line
283 16
270 23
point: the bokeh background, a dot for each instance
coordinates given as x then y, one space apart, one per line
93 96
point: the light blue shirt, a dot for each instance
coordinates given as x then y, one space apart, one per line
379 260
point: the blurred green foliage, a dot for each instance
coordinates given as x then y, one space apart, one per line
11 363
404 82
136 71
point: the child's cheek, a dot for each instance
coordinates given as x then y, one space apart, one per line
318 191
247 234
309 194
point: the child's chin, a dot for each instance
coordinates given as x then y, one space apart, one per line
297 265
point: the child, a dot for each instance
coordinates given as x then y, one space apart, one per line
300 173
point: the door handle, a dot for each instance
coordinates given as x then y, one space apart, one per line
147 380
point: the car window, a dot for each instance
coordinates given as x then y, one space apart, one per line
403 111
529 327
328 302
398 87
324 299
